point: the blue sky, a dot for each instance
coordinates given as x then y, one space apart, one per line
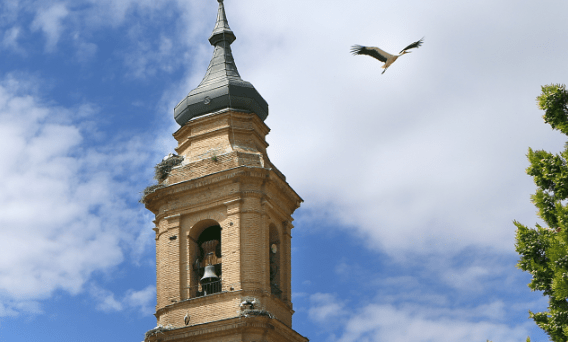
411 179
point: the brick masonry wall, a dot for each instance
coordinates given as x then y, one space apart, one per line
239 191
241 329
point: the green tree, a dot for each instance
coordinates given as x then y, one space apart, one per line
544 250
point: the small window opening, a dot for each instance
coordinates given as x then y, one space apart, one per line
274 260
207 264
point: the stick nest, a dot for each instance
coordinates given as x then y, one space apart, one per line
163 168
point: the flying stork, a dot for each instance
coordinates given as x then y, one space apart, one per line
381 55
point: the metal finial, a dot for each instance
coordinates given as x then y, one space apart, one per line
222 87
222 31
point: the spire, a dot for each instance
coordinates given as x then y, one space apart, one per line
222 87
222 29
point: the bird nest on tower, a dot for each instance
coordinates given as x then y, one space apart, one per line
163 168
161 172
255 312
150 189
157 330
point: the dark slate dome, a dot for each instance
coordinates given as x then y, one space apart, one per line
222 87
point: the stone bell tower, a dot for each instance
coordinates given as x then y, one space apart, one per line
223 216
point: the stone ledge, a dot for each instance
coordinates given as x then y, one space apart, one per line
233 327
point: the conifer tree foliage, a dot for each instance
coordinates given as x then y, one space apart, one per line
544 250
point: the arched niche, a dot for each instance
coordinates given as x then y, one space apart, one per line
205 259
275 260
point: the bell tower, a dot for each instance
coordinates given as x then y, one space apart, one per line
223 216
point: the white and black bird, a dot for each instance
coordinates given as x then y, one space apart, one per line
248 303
381 55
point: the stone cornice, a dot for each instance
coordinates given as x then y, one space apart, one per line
233 325
225 113
173 190
225 129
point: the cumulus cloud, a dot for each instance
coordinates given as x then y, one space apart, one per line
416 160
467 278
80 19
49 20
9 11
105 300
147 58
64 213
10 39
376 322
412 321
141 300
85 51
325 307
14 308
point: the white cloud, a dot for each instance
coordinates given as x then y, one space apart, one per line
105 300
14 308
407 321
86 51
468 278
142 57
115 13
10 39
325 307
388 323
147 58
417 160
142 301
9 11
425 160
63 211
49 20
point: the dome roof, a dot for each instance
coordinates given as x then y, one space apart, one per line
222 87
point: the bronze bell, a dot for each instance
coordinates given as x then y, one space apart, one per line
209 275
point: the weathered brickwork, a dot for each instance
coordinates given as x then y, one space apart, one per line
241 329
226 181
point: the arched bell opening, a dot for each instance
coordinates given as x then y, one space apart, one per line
274 252
206 260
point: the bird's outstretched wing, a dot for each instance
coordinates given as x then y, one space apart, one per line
370 51
413 45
